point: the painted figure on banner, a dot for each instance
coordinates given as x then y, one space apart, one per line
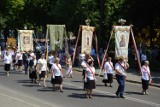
26 40
122 42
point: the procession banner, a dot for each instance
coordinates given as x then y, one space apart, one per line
26 40
121 41
87 35
11 43
56 35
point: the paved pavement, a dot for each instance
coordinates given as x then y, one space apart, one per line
134 77
9 99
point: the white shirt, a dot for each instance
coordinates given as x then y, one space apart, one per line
56 69
120 68
143 57
81 57
44 64
145 75
7 59
90 74
84 64
31 56
50 58
19 56
108 67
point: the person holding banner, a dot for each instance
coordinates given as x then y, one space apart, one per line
120 69
84 66
108 72
146 77
41 70
19 57
90 78
56 77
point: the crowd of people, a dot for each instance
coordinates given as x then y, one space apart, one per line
39 69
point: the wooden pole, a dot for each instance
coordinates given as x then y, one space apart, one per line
135 49
74 54
47 50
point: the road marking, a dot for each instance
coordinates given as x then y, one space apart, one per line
128 98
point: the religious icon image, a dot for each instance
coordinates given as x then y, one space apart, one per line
26 40
122 42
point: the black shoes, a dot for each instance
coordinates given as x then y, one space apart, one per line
122 96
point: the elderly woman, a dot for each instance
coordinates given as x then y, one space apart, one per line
56 77
146 77
32 70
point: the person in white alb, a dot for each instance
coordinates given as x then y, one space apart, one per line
120 69
42 69
108 72
56 77
69 70
90 78
146 77
7 60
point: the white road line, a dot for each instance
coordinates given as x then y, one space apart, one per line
128 98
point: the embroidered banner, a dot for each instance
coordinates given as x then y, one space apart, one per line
56 35
87 34
25 40
11 43
121 41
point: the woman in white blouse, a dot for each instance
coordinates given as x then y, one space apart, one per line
90 78
7 60
42 69
146 77
56 77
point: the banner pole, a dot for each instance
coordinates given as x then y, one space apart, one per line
47 49
74 54
135 49
106 51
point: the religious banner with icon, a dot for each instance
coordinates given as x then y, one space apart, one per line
11 43
56 34
25 40
87 35
121 41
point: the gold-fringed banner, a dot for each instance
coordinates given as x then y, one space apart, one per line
26 40
121 41
56 35
87 35
11 43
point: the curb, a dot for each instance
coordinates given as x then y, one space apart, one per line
131 81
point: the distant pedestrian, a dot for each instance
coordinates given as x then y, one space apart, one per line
120 69
108 72
146 77
57 76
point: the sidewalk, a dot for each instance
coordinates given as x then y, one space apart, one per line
133 76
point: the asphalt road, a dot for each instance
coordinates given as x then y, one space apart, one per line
18 87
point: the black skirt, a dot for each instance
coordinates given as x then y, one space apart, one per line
90 84
57 80
109 80
43 74
20 62
145 84
7 67
33 74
